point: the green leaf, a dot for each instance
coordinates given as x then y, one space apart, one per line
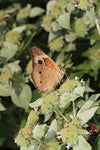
48 116
70 37
49 4
11 10
9 50
39 131
79 91
29 67
96 145
94 35
14 67
24 12
91 17
5 90
37 103
71 47
89 103
70 7
56 26
31 147
88 89
52 129
64 99
2 108
5 75
19 29
18 81
53 35
36 94
56 44
60 58
82 144
80 27
64 20
36 11
86 115
2 13
22 96
84 4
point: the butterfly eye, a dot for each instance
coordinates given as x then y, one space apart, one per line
39 62
40 81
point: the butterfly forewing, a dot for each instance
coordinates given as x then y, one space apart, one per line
45 72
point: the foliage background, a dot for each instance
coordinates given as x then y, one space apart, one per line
78 37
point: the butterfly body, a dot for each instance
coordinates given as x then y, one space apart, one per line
45 72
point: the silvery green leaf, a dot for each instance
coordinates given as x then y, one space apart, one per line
19 29
70 7
5 90
64 99
14 67
82 144
73 96
70 37
92 22
37 103
12 10
92 41
38 131
88 89
52 129
53 35
64 20
36 11
89 103
86 19
48 116
94 97
91 17
71 47
31 147
79 91
49 4
90 13
9 50
86 115
56 26
22 96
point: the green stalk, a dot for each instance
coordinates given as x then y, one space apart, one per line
29 41
62 116
74 112
37 141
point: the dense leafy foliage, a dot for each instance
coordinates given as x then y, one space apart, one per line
69 32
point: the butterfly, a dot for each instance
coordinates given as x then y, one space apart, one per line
45 72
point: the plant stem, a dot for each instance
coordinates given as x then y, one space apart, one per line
38 141
74 112
23 47
62 115
8 127
29 41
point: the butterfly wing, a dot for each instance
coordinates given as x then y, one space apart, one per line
45 73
